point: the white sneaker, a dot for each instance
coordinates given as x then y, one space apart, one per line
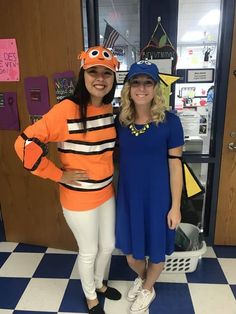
142 302
135 289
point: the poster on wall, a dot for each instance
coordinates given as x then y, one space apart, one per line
1 100
164 65
9 61
9 117
64 84
203 125
120 77
37 95
122 53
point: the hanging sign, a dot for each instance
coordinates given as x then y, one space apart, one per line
164 65
203 75
9 62
9 118
37 95
160 46
120 76
64 84
200 75
165 52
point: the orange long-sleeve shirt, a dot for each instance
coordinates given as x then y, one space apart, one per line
91 151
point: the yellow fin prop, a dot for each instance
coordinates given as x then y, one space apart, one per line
192 185
168 79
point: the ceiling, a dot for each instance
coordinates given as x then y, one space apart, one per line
190 14
123 15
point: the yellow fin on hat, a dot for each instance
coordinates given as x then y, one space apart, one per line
168 79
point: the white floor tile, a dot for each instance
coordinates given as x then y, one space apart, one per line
3 311
43 295
107 271
26 264
209 298
210 253
229 268
66 313
58 251
177 278
117 252
7 246
75 271
121 306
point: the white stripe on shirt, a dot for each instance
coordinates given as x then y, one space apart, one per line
89 186
78 147
97 122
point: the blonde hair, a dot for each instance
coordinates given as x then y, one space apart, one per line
127 113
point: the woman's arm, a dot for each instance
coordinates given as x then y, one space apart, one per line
176 185
51 128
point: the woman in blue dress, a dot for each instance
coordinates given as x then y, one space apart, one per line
150 182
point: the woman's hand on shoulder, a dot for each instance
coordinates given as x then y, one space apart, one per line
173 218
72 176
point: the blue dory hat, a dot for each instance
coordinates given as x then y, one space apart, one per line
144 67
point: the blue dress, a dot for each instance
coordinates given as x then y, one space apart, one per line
143 194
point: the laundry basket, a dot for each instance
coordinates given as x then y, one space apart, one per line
186 261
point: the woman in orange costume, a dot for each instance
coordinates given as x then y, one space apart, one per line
83 127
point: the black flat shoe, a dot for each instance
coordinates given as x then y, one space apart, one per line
96 310
110 293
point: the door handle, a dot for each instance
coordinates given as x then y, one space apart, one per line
232 146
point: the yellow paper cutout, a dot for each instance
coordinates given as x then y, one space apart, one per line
168 79
192 185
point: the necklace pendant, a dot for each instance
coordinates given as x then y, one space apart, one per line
137 132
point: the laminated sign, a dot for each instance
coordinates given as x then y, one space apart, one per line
9 62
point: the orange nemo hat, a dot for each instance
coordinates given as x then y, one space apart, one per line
98 56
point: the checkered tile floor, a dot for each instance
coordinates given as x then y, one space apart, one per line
36 279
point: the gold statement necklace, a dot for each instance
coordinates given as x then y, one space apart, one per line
136 131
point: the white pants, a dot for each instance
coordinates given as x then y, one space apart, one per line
94 231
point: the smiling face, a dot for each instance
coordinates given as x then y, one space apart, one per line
98 81
142 90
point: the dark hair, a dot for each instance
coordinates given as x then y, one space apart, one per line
81 96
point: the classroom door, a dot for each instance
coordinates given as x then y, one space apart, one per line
49 35
226 209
